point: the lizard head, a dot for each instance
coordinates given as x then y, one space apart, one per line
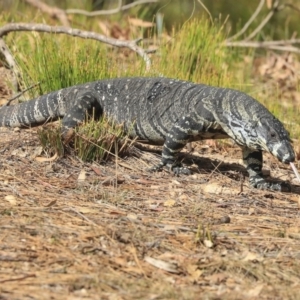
270 135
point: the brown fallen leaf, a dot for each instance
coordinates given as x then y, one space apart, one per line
104 27
140 23
19 153
166 266
169 203
127 166
208 243
96 170
254 292
81 176
216 188
193 271
143 181
269 4
251 256
86 210
51 203
44 159
46 184
11 199
216 278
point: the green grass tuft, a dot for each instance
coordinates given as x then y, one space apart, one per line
196 53
95 140
98 140
50 140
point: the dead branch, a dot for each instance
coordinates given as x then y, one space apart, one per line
130 44
272 45
6 53
268 43
207 11
292 6
281 45
21 93
61 14
252 18
119 8
11 63
275 8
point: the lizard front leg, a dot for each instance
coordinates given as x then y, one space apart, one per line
253 159
176 139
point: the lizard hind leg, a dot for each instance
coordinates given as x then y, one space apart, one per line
85 103
176 139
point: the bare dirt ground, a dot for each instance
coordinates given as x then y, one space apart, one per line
72 230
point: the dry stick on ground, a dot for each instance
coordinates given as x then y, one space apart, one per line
131 44
21 93
61 14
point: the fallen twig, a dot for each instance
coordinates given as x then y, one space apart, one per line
18 278
21 93
72 209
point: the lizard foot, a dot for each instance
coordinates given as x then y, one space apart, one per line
176 169
280 187
181 170
156 168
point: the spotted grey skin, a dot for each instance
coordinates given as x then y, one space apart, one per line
168 112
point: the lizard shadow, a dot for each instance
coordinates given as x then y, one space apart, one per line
233 171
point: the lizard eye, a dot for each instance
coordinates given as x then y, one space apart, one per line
273 134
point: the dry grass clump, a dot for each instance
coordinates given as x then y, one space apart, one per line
95 140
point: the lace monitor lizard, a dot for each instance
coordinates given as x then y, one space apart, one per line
169 112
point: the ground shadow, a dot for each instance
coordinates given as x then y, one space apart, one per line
232 170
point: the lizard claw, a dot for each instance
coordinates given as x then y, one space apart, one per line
177 170
280 187
181 170
156 168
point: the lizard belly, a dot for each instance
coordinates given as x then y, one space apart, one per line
210 135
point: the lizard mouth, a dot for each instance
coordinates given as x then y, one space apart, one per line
284 152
